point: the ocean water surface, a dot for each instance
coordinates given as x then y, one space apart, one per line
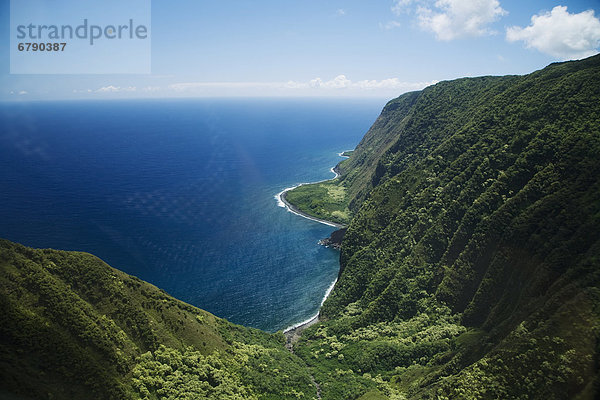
181 193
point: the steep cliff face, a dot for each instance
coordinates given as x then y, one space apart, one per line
481 195
484 174
358 171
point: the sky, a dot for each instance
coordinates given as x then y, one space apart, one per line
311 48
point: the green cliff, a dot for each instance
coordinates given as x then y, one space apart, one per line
470 268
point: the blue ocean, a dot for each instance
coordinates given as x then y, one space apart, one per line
181 193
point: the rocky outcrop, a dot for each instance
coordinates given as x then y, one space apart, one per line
335 239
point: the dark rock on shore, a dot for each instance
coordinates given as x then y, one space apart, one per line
335 240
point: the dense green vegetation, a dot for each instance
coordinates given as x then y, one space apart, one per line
71 327
470 269
326 200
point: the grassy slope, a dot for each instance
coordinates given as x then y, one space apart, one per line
73 327
471 270
325 200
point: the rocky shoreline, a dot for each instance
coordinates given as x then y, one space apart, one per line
335 239
292 335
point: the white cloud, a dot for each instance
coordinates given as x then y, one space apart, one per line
340 12
401 6
195 86
19 93
340 85
341 82
454 19
393 83
389 25
112 89
295 85
560 34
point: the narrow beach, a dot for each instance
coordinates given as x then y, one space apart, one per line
294 210
293 332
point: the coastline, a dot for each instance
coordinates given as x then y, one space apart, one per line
293 332
282 201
